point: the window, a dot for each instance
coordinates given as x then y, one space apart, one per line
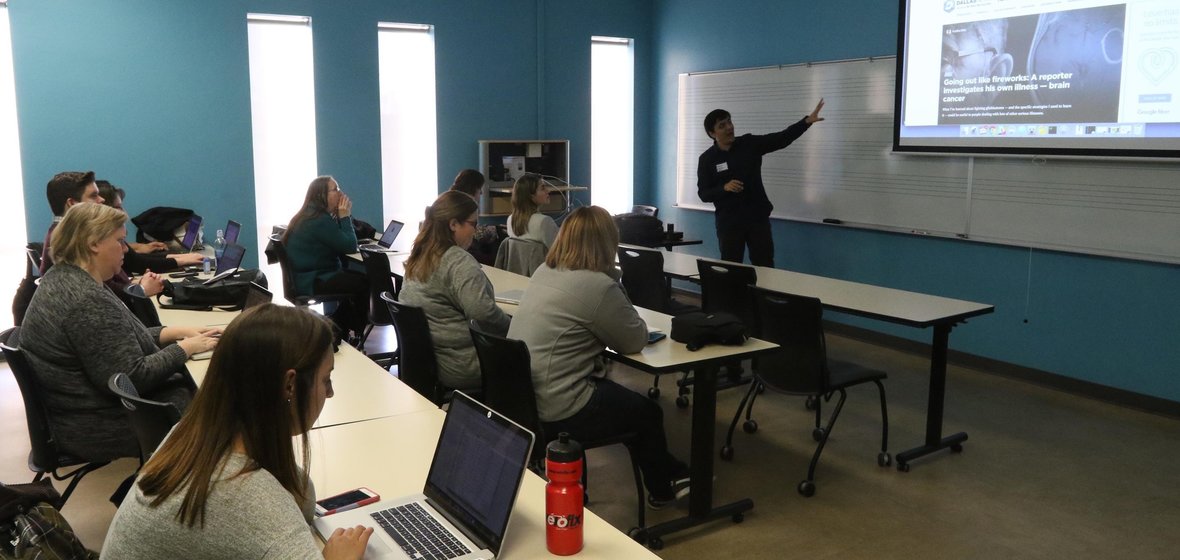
12 217
612 123
282 109
409 136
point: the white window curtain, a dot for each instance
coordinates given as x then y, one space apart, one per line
612 116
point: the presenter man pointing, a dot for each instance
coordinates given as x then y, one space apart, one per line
729 174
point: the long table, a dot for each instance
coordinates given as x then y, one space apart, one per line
666 356
911 309
392 457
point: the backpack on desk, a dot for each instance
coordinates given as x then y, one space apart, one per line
697 329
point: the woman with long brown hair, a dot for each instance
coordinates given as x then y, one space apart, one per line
226 482
316 238
573 309
526 221
448 284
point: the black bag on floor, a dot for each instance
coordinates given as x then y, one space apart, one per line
697 328
229 293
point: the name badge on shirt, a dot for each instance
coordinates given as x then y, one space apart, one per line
723 166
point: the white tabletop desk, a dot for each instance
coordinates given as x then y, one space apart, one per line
363 389
895 306
392 457
665 356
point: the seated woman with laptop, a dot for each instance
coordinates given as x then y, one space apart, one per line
228 482
448 284
316 239
77 334
573 309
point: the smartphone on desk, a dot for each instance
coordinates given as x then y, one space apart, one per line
655 336
343 502
183 274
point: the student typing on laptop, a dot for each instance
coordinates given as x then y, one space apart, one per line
243 494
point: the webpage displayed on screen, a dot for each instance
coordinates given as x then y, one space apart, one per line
1040 75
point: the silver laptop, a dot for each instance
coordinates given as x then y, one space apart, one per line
386 240
463 511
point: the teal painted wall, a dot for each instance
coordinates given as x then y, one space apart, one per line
1108 321
154 95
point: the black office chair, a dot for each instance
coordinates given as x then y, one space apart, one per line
521 256
508 389
647 286
381 280
278 250
150 419
645 210
44 458
801 366
28 284
417 366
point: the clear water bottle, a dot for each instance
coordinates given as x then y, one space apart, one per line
219 244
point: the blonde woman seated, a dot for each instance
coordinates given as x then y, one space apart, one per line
572 310
448 284
227 482
526 221
77 334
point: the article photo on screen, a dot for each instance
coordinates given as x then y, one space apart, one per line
1070 77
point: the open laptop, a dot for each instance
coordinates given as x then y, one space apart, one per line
476 473
230 261
192 235
386 240
232 229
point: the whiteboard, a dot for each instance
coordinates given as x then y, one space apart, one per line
844 169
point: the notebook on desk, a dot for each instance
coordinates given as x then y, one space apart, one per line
510 296
479 463
386 240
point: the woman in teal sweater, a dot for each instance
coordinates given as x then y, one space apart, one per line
316 238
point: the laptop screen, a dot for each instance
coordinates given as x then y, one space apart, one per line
191 234
477 469
394 228
231 258
232 229
257 295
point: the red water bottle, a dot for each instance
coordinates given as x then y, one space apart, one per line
563 496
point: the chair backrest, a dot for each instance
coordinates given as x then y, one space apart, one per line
279 250
507 378
522 256
725 287
33 259
417 365
45 453
645 210
381 279
150 419
643 278
795 323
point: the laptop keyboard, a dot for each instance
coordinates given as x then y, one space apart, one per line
419 534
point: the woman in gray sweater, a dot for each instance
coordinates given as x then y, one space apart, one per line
227 482
77 334
573 309
448 284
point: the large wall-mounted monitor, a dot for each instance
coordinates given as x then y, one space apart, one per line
1070 77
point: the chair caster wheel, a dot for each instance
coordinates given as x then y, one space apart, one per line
810 403
761 389
817 434
739 517
653 393
807 488
727 453
682 402
749 426
957 448
638 535
884 459
655 543
903 467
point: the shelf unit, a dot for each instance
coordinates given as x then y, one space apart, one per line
502 161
